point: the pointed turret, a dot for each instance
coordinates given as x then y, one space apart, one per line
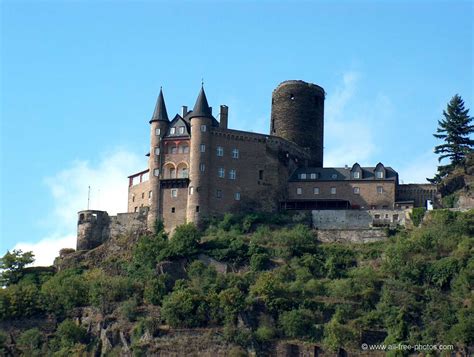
201 108
160 113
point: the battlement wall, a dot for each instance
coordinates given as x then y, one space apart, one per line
95 227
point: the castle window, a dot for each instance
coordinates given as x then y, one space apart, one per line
316 190
143 195
181 129
313 176
203 148
173 210
183 173
219 193
237 196
333 191
221 172
133 198
203 128
334 176
299 191
379 174
356 174
235 153
174 192
292 97
173 150
136 209
202 167
379 189
191 190
157 131
260 174
220 151
157 151
232 174
185 149
150 194
156 172
173 131
172 173
395 217
377 216
197 209
356 190
303 176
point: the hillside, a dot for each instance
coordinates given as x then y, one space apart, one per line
257 283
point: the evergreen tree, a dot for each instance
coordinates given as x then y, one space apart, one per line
454 129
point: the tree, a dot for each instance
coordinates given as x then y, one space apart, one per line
12 265
454 130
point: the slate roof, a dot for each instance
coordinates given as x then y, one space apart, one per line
201 108
341 174
160 112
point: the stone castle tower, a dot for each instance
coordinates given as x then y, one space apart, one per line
298 116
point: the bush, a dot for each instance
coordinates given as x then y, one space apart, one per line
129 309
259 262
185 308
185 241
298 323
20 300
30 342
68 338
417 215
65 291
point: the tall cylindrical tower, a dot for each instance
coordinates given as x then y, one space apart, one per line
158 128
200 150
298 116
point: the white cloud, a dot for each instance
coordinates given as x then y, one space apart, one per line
348 135
69 188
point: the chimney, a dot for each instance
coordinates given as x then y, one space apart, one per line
224 116
184 110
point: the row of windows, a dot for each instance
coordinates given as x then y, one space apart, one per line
355 175
220 151
333 190
150 194
174 193
179 130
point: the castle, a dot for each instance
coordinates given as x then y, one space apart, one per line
198 168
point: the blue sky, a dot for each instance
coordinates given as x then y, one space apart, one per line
79 80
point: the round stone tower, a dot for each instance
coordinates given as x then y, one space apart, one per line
298 116
159 126
200 151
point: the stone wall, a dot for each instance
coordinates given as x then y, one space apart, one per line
139 196
358 219
419 193
351 235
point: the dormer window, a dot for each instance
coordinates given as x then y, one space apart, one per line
173 131
356 175
181 129
334 176
303 176
379 174
314 176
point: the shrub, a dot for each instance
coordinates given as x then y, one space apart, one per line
12 266
30 342
185 241
20 300
129 309
185 308
417 215
65 291
67 336
298 323
259 261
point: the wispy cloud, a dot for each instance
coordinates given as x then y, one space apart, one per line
69 190
418 168
348 135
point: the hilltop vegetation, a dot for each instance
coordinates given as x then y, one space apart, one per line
257 279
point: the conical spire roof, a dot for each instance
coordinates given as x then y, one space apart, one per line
160 112
201 108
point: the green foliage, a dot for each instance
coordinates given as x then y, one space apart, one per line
185 308
337 335
31 342
294 241
129 309
259 261
417 215
20 300
65 291
12 266
105 291
69 339
299 323
184 242
454 130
